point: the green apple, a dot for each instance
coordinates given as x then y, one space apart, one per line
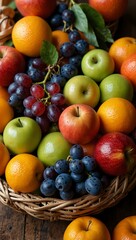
53 147
97 64
22 135
81 89
115 85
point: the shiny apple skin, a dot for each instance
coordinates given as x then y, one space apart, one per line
11 62
115 153
82 89
41 8
97 64
22 135
76 123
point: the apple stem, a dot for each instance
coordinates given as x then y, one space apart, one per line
20 123
89 223
78 111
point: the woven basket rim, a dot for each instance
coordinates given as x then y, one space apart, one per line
53 209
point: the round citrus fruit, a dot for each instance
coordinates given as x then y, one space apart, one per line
128 69
122 48
125 229
116 85
24 173
117 114
4 93
29 33
111 10
59 37
4 158
86 228
6 114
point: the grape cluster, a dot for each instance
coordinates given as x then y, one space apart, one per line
73 177
42 102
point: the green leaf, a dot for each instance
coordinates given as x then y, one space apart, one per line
12 5
92 24
49 53
81 22
8 43
91 36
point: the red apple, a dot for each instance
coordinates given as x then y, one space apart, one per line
115 153
41 8
11 62
79 123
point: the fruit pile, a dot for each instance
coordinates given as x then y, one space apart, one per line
67 101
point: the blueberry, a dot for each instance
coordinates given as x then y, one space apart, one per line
48 188
93 185
89 163
57 78
74 36
68 71
63 182
61 7
35 74
80 188
76 151
56 21
75 60
49 172
14 100
82 46
67 49
77 177
61 166
67 195
68 16
76 166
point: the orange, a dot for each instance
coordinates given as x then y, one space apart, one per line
6 114
125 229
86 228
24 173
121 49
117 114
4 93
128 69
28 34
59 37
111 10
4 158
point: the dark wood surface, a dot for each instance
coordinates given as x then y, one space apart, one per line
18 226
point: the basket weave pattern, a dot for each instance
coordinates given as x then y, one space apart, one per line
52 208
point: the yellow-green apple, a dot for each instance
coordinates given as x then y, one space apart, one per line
22 135
115 153
79 123
86 228
81 89
53 147
11 62
41 8
116 85
97 64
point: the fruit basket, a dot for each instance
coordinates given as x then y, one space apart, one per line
54 209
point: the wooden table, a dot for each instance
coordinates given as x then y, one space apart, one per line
18 226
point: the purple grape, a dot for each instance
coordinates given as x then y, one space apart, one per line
48 188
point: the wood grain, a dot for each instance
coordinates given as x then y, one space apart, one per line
18 226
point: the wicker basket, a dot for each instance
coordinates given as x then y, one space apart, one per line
51 208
